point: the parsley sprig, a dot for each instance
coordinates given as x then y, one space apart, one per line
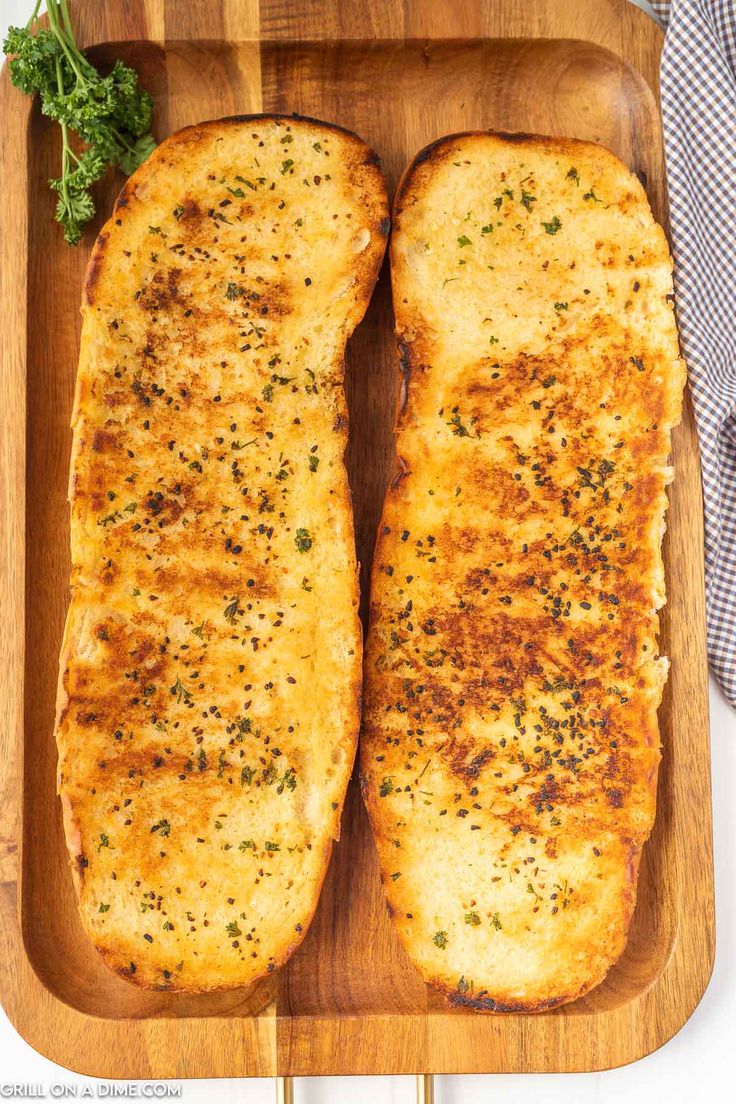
112 114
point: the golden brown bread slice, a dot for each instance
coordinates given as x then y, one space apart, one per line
211 667
510 746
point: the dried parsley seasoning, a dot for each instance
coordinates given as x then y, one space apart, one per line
233 610
303 540
440 939
552 226
459 428
180 692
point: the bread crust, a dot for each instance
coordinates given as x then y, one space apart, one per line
200 776
510 745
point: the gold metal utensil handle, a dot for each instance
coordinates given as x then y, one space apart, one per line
284 1090
425 1088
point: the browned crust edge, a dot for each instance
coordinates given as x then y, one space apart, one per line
435 152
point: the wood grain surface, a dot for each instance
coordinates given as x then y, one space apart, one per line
400 74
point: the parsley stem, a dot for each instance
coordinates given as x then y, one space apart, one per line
64 138
123 140
34 16
67 21
69 46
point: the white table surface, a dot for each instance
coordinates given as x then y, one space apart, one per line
694 1066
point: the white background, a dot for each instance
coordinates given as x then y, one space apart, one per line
694 1066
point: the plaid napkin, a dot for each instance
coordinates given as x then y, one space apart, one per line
698 89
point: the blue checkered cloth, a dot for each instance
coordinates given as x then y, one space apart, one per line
698 89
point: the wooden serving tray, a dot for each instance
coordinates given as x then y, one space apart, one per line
400 74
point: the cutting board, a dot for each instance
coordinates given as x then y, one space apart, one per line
400 74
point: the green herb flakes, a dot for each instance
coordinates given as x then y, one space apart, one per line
303 540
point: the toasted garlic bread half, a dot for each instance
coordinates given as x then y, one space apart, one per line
510 746
211 668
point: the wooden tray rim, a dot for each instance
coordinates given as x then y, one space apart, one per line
213 1046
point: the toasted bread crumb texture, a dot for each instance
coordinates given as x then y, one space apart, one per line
208 700
511 742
